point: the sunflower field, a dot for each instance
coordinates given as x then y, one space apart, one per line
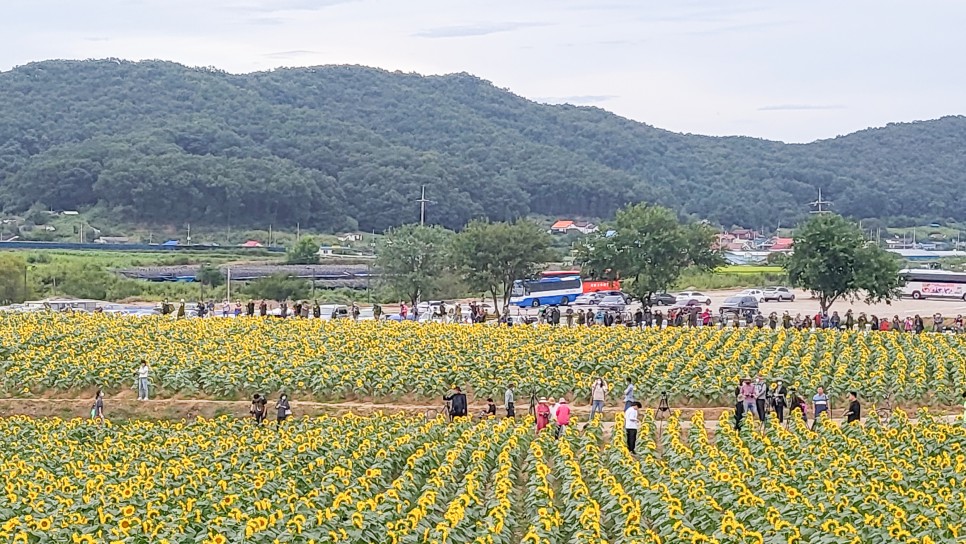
326 360
397 479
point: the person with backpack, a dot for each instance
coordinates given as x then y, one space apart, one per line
258 408
283 409
563 416
457 400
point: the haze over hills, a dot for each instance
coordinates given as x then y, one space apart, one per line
346 147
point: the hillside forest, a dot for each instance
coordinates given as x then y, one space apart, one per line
338 148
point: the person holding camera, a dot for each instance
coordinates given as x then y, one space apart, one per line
598 393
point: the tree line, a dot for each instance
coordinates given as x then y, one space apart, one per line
339 148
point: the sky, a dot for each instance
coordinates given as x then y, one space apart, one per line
786 70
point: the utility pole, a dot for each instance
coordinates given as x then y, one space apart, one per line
820 204
422 206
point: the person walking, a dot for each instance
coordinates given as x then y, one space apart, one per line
283 409
761 396
780 400
563 416
628 394
819 405
508 401
748 404
630 426
543 414
97 411
598 394
457 400
142 375
258 408
855 410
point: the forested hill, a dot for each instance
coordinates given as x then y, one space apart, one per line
340 147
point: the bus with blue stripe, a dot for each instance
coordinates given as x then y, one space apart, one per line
553 290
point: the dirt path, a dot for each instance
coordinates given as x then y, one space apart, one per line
127 408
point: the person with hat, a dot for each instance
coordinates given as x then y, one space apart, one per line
543 414
563 415
780 399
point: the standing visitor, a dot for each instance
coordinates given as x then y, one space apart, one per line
835 321
658 319
283 410
773 320
630 426
377 311
855 410
508 401
283 310
819 405
896 324
739 406
457 400
262 308
628 394
403 310
798 403
97 411
238 309
909 325
543 414
570 317
258 408
849 320
598 393
250 308
225 308
780 400
142 375
181 311
862 322
553 415
563 415
761 395
918 325
355 312
581 320
937 322
748 398
786 320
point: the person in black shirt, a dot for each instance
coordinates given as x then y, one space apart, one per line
457 400
258 408
490 410
780 400
855 410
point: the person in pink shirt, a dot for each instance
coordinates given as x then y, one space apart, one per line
403 310
563 416
543 414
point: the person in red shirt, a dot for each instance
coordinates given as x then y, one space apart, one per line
884 325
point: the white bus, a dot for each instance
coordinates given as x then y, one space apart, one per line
924 283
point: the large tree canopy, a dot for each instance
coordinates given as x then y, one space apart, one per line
648 248
834 260
345 147
411 260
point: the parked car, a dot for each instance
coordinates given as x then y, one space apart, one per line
778 294
588 299
757 293
739 305
661 299
693 295
613 301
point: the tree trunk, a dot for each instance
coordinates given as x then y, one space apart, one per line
496 307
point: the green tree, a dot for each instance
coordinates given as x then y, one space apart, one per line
491 256
210 276
306 251
833 259
13 279
411 259
278 287
648 249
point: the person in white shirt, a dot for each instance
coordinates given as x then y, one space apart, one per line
142 376
553 413
631 425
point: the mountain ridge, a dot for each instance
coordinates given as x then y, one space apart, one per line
344 146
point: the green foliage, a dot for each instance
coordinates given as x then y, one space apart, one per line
649 250
306 251
702 280
13 280
316 146
411 259
833 259
490 256
278 287
210 275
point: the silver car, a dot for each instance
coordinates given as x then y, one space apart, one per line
779 294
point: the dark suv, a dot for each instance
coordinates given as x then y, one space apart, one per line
740 305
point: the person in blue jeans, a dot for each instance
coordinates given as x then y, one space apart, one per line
142 378
748 397
819 405
598 394
628 394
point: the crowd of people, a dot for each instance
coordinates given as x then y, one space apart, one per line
757 398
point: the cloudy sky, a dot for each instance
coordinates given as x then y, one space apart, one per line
790 70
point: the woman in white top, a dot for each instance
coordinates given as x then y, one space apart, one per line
631 425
